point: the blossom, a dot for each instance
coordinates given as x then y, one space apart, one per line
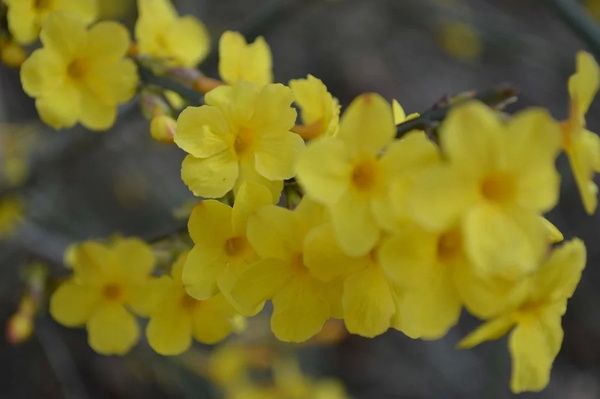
301 303
319 109
107 280
11 214
176 316
79 74
348 175
240 61
160 32
221 247
581 145
26 17
535 322
241 134
496 181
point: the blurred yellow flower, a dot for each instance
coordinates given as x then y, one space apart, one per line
26 17
80 74
537 335
106 281
176 317
240 61
12 211
160 32
320 111
460 40
581 145
497 179
221 248
242 134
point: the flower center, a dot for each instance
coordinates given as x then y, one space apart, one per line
187 302
364 175
235 246
77 69
449 246
298 263
243 141
112 292
499 188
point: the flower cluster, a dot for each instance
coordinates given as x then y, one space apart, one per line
326 217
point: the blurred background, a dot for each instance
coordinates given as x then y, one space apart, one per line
77 185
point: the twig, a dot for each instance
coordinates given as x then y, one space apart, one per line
148 77
495 97
579 21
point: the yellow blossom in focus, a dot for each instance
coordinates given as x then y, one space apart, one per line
80 74
460 41
12 211
241 134
537 334
301 303
221 247
160 32
320 111
496 181
176 317
581 145
348 175
239 60
107 281
26 17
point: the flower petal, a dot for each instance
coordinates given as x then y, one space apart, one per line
276 157
73 304
112 330
355 225
210 177
202 131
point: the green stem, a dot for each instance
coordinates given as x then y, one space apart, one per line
495 97
191 95
579 21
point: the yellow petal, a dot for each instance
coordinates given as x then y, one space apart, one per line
299 310
202 131
249 199
135 258
557 278
324 170
241 61
355 225
271 232
583 85
42 73
399 114
210 223
107 41
554 234
533 346
95 113
273 112
155 16
412 152
64 34
584 158
22 22
488 232
471 136
368 303
210 177
169 331
188 40
202 269
112 330
73 304
367 125
92 261
212 320
259 282
148 296
114 82
248 173
317 105
488 331
324 257
277 155
52 108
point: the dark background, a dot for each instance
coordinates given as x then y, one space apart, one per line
88 185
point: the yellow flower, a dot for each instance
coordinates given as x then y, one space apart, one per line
496 181
177 317
242 61
319 109
106 281
160 32
301 303
11 214
460 41
348 175
80 73
26 17
221 251
400 115
581 145
242 134
537 335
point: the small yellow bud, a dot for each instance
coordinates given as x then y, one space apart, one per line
20 326
12 54
162 128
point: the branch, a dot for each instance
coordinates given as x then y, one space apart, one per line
496 97
191 95
580 22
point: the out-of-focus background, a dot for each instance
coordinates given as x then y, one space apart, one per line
79 185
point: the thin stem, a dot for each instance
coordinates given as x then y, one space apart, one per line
579 21
495 97
164 82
